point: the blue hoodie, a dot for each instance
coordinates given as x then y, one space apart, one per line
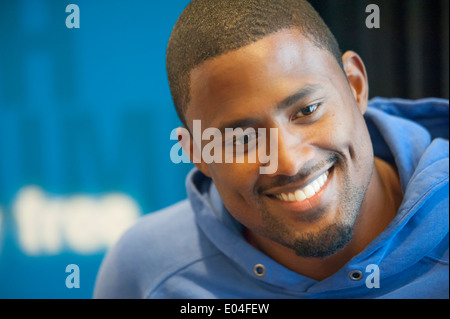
196 249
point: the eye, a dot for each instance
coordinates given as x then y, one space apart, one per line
245 139
309 109
306 111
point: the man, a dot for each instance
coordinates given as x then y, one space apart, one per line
358 204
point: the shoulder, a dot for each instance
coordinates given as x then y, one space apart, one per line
155 226
411 108
157 246
431 113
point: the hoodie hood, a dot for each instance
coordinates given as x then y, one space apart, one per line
417 145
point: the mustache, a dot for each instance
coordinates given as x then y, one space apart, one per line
305 171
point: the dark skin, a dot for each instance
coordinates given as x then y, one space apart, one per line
321 130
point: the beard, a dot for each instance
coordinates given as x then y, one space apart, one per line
323 242
327 240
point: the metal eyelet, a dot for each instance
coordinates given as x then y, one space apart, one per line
356 275
259 270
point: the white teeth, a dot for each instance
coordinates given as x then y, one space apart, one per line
316 186
299 195
308 191
321 180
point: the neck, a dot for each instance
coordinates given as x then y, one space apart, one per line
375 215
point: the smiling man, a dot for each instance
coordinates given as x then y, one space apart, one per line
356 187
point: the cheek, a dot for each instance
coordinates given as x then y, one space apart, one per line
361 145
335 133
234 179
347 128
363 155
356 146
235 184
345 133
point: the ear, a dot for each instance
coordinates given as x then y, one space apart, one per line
192 149
357 78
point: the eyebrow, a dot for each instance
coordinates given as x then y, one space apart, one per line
243 123
300 94
287 102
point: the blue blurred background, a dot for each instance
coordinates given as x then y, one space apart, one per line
86 116
85 120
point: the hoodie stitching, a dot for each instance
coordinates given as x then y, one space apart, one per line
437 259
406 211
175 270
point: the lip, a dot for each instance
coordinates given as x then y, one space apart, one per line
293 187
308 204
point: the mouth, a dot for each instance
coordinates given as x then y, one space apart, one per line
303 197
308 191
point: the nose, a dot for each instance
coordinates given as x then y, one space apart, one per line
293 152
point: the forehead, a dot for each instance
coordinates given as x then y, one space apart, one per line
262 73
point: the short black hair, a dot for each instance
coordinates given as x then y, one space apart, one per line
209 28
